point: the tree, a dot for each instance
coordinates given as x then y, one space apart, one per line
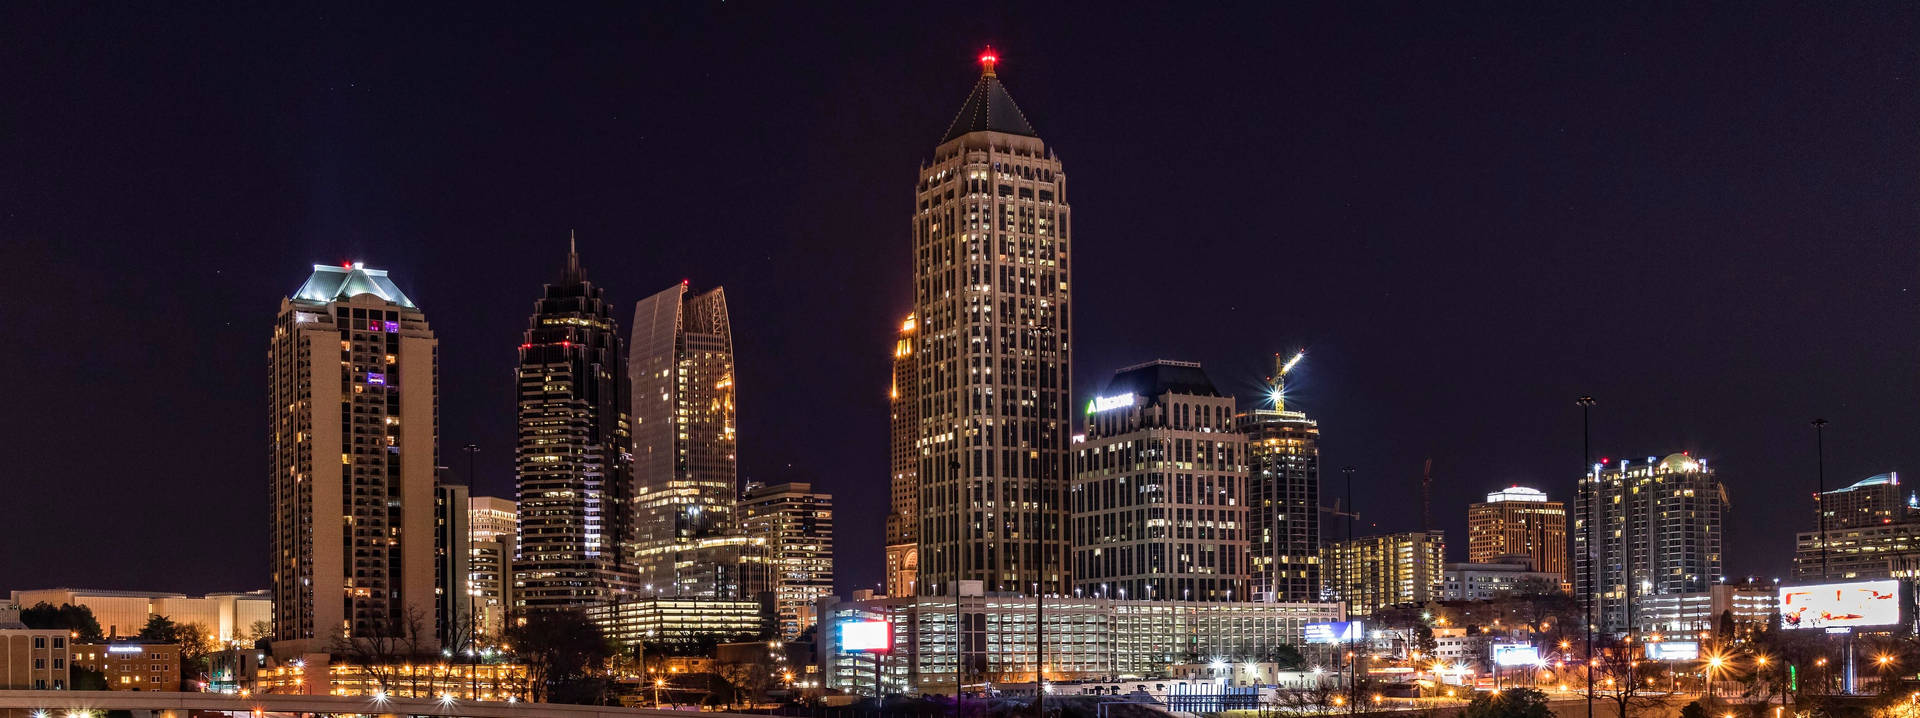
1511 703
1617 678
160 628
76 619
1726 626
1286 656
382 651
87 679
1423 640
196 644
1693 710
563 652
258 631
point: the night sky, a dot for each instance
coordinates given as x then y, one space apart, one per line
1706 217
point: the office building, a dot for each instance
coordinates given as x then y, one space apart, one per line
490 584
1874 500
228 617
1657 532
1750 607
1519 521
681 365
1084 638
681 620
796 524
1858 552
353 439
573 463
990 285
1159 489
1373 572
728 566
132 665
455 615
37 659
491 517
1481 581
1283 497
903 463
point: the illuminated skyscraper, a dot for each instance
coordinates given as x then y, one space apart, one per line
990 286
1657 532
1374 572
1160 489
1519 521
903 528
573 465
1283 497
683 429
353 437
795 525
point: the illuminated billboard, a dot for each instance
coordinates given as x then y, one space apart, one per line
1340 632
874 636
1515 654
1840 605
1673 651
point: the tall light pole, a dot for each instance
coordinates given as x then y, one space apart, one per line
473 607
1820 493
1586 403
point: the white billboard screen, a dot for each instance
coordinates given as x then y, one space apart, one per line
866 636
1840 605
1514 654
1341 632
1673 651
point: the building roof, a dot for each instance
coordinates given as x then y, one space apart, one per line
1161 376
329 283
989 109
1678 462
1516 493
1891 478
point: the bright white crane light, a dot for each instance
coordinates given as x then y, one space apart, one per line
1290 362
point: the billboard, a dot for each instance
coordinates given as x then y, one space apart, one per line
874 636
1338 632
1840 605
1515 654
1673 651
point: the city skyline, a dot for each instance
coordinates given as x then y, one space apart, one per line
1409 361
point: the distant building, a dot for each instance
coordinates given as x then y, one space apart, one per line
452 572
1659 528
573 463
1750 607
1283 499
681 365
1519 521
491 516
353 439
33 658
796 524
1870 501
903 462
132 665
1858 552
459 681
228 617
1481 581
680 620
1374 572
1159 494
491 526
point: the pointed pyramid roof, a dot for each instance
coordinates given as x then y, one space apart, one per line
989 108
329 283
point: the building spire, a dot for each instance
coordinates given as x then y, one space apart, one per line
988 58
573 258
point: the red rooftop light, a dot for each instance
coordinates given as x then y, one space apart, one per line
988 58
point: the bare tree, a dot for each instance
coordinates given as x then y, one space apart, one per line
393 643
1620 677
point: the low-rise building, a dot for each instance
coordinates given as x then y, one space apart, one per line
681 620
461 681
33 658
132 665
1750 606
1482 581
228 617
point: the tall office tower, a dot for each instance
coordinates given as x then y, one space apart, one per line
903 529
573 471
353 436
1519 521
1283 497
454 612
990 278
1374 572
1159 494
491 527
682 370
1657 532
796 524
1868 502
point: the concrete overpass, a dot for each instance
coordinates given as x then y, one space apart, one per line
59 704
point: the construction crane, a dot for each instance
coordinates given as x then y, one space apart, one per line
1276 389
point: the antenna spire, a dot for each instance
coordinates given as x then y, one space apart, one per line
573 257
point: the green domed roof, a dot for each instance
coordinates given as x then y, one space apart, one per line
1678 462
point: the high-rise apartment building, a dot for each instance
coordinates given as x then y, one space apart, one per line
1159 495
491 523
1873 500
1656 531
1283 497
990 285
681 365
1373 572
903 458
796 524
1519 521
353 439
573 464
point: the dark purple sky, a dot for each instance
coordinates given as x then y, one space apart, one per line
1704 216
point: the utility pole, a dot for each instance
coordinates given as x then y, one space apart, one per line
1586 404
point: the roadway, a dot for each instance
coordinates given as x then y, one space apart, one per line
59 704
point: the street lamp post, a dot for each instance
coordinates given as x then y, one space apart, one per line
1820 494
1586 404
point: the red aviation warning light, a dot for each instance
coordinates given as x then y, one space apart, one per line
988 58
